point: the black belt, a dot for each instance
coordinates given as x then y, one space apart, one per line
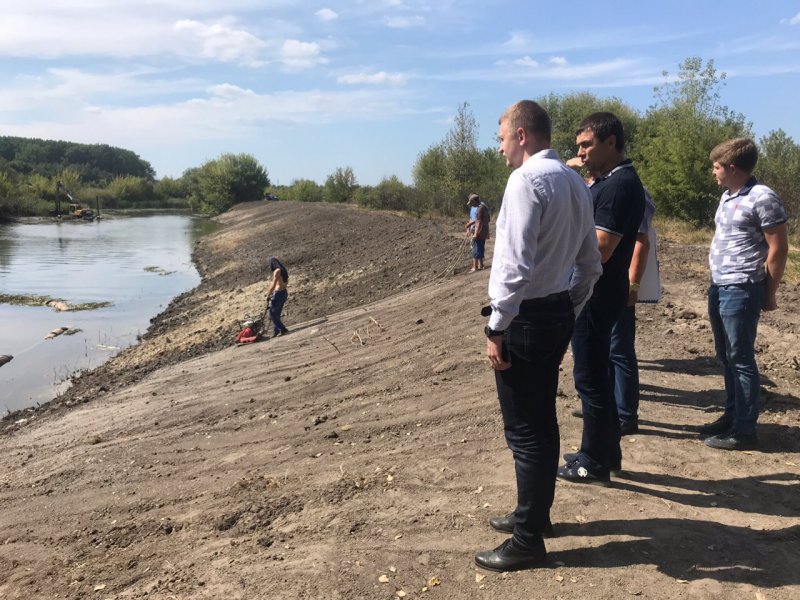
558 297
551 299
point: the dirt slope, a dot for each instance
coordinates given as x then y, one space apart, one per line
360 456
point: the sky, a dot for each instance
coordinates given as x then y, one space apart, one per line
308 87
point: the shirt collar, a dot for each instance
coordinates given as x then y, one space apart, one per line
625 164
744 190
546 153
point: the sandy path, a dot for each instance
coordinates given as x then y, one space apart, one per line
312 465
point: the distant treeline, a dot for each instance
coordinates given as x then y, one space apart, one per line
669 144
115 178
30 169
96 164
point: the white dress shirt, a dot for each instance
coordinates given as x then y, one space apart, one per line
545 241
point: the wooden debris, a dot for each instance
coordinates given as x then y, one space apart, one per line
332 344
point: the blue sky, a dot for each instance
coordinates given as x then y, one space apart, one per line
307 87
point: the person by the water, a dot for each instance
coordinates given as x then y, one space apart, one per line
277 295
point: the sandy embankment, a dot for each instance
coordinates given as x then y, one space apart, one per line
360 456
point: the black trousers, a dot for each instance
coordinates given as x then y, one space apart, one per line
534 344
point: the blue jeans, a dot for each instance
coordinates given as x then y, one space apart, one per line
478 247
275 308
591 349
534 344
734 311
624 369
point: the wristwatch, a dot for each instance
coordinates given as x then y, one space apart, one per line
492 332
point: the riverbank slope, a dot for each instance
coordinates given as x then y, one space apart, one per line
360 456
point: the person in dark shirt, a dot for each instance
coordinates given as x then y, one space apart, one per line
277 294
619 203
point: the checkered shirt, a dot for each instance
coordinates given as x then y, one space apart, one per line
739 250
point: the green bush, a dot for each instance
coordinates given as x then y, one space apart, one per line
128 191
449 171
566 113
167 187
676 137
220 183
304 190
779 168
340 185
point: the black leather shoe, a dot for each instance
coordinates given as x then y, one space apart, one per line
615 467
505 524
732 440
721 425
628 427
573 471
507 558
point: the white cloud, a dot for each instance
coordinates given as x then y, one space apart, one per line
558 60
44 37
520 42
226 112
621 71
760 44
326 14
379 78
526 61
795 20
219 42
301 55
517 40
129 28
616 68
53 36
60 89
404 22
230 91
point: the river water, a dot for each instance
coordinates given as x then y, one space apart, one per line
138 263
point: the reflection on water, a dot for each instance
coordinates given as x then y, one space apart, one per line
78 262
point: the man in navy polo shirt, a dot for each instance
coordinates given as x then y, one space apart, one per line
747 259
619 204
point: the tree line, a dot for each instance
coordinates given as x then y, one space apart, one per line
95 163
669 144
28 188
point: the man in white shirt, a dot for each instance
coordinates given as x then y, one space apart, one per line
544 267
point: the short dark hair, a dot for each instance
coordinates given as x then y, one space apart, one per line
742 153
602 125
530 116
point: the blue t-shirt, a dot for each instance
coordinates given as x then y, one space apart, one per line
473 213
